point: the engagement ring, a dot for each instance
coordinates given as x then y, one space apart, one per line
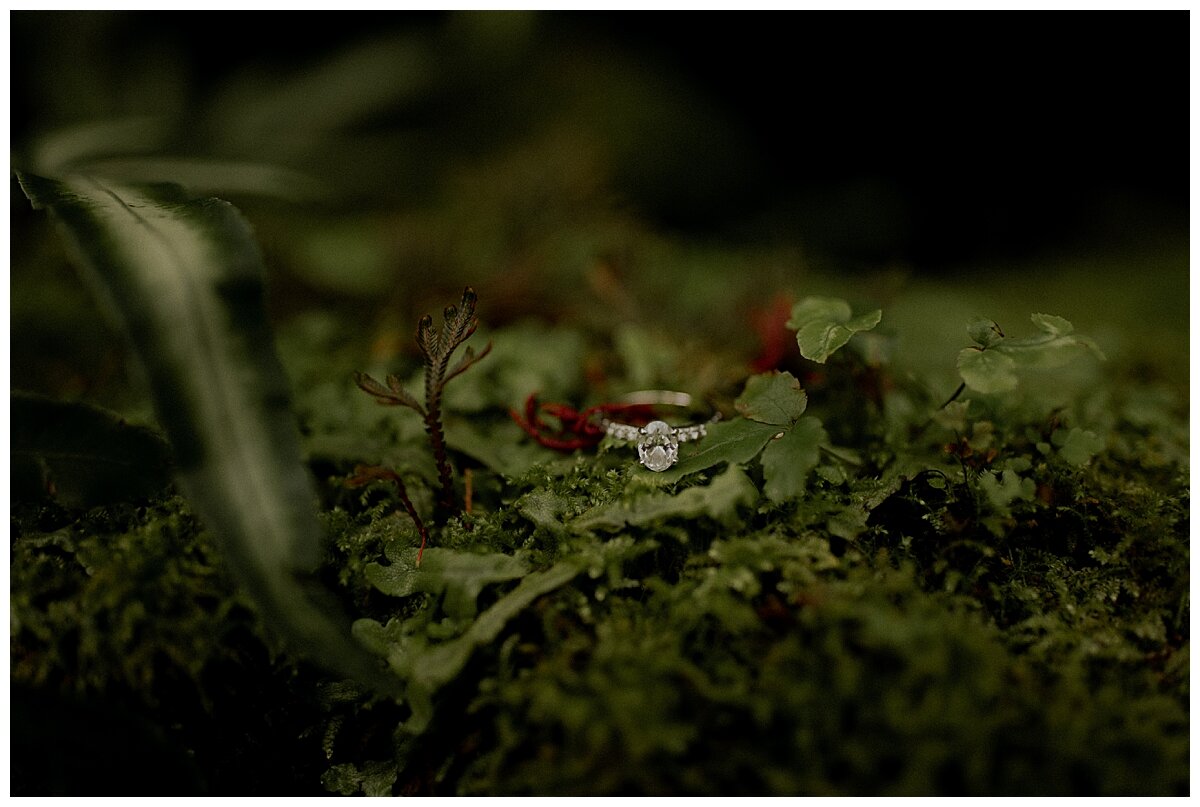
657 441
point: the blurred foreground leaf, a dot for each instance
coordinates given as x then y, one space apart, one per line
185 278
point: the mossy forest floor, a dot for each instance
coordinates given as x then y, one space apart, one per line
989 597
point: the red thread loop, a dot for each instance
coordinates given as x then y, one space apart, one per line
576 428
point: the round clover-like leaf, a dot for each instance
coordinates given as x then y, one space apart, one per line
1055 326
774 398
823 325
1079 446
987 370
984 332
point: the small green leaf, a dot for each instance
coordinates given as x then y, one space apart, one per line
459 575
1003 489
987 370
774 398
824 324
376 778
1055 326
1079 446
788 461
984 332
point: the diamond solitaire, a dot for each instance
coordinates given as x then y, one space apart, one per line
657 441
658 448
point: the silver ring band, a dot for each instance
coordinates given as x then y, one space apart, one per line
657 441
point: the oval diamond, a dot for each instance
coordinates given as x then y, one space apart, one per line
658 448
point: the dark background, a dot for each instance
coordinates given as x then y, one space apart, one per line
927 138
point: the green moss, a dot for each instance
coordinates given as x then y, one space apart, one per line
997 604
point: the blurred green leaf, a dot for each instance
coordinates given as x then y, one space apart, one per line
984 332
184 276
525 358
501 447
1002 489
649 358
206 175
256 115
993 366
68 147
1055 326
1079 446
987 370
776 399
81 455
823 325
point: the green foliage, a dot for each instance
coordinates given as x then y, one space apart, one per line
718 500
823 325
979 599
1078 446
427 666
795 450
460 576
788 460
734 441
776 399
125 567
373 779
993 365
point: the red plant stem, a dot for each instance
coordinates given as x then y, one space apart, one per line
365 474
467 491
